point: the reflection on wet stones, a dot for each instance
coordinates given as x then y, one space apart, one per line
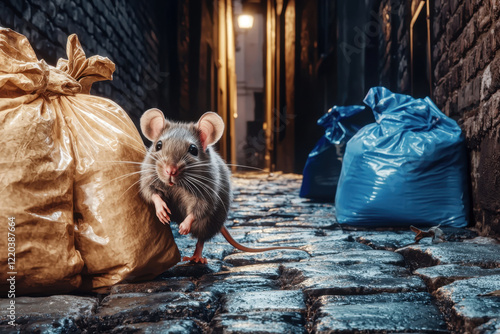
278 300
481 255
274 256
49 326
331 245
265 270
219 285
259 322
65 309
491 327
353 283
360 256
167 326
394 312
466 302
140 307
167 285
330 279
441 275
386 240
187 269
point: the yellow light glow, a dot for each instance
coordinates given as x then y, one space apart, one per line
245 21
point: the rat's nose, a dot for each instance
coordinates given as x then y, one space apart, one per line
171 170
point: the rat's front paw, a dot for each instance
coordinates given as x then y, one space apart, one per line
185 226
163 216
161 209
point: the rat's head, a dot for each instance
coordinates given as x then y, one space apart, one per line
179 149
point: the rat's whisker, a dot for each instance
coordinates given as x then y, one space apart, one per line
156 179
120 162
195 184
188 185
203 186
243 166
152 156
201 178
199 187
183 158
133 184
121 177
193 188
213 182
211 191
136 145
196 165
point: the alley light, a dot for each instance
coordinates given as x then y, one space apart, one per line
245 21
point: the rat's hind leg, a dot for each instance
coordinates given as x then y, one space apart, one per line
197 254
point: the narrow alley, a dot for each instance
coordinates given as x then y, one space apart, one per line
355 280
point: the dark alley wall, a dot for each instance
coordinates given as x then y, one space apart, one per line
466 59
124 31
167 53
464 80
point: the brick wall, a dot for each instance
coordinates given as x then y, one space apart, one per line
123 30
465 43
466 58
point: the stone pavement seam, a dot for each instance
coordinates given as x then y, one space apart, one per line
357 281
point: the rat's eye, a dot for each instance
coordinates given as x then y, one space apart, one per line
158 145
193 150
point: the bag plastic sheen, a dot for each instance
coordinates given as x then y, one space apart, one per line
324 163
408 168
64 179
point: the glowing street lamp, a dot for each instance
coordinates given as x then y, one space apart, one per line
245 21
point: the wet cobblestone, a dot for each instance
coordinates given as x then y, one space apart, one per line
467 304
353 281
376 313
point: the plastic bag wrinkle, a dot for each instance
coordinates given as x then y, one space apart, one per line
56 141
409 167
322 169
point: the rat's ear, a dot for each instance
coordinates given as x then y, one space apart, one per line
152 124
211 127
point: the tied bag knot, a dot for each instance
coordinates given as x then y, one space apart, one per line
82 69
61 173
335 131
408 168
22 75
396 113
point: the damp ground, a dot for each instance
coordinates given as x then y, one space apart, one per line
353 281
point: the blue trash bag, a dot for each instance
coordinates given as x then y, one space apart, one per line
322 170
408 168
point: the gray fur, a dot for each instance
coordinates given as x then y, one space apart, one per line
203 184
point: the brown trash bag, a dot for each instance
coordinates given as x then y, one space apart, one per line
67 176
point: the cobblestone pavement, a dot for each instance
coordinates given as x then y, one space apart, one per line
370 281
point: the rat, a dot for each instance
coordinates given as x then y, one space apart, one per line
181 168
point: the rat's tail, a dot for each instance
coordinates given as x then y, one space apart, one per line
235 244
